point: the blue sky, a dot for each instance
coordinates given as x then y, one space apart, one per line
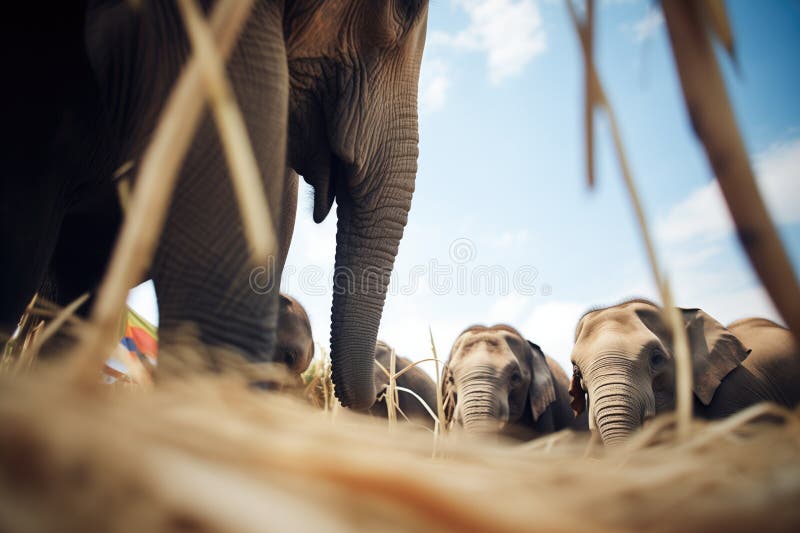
501 190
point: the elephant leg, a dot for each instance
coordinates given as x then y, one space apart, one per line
202 268
81 256
50 121
84 246
30 218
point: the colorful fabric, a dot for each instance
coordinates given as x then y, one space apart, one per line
139 336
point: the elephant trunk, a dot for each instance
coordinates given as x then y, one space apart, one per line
367 240
617 407
482 410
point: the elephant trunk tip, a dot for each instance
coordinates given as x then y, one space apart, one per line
352 388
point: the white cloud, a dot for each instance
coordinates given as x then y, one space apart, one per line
647 26
509 32
703 214
778 171
552 326
507 309
433 86
693 258
727 306
507 239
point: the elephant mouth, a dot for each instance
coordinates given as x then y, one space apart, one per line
323 177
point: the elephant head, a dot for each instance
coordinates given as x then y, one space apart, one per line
295 343
496 379
623 364
353 136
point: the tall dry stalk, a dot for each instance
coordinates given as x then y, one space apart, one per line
391 391
715 125
596 99
155 183
439 400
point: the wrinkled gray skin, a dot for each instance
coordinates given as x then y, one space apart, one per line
295 342
623 366
90 81
415 379
498 382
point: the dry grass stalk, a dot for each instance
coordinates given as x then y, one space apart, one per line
591 90
393 377
215 454
40 321
391 391
715 125
422 402
12 346
247 181
439 425
717 18
318 382
57 323
147 209
683 364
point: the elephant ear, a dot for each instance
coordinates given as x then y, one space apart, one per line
448 397
542 390
715 352
578 401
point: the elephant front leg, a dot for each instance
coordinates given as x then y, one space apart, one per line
209 287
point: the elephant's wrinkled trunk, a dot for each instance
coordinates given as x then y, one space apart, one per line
617 406
482 410
367 239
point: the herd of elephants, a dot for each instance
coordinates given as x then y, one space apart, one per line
328 90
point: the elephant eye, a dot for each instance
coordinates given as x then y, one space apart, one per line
288 358
577 376
657 359
516 378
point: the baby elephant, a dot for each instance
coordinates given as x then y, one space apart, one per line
498 382
623 361
414 379
295 344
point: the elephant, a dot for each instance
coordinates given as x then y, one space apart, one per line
328 90
414 379
624 370
295 342
497 382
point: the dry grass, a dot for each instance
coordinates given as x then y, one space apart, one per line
213 455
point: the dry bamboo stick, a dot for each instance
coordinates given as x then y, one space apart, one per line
715 125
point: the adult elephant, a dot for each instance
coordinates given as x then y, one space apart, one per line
623 366
91 79
496 381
